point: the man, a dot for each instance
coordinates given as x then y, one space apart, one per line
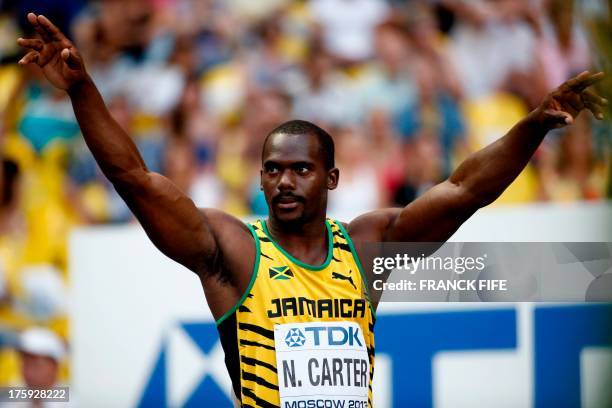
288 293
41 353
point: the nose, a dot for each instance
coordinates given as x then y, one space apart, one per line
286 181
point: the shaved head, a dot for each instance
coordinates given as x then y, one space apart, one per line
302 127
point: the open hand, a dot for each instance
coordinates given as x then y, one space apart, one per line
54 53
562 105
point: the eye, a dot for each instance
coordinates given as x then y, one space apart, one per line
271 169
302 170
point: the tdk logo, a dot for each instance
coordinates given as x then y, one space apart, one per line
295 338
335 335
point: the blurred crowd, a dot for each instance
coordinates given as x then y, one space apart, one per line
407 88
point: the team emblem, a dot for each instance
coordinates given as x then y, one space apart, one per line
295 338
280 273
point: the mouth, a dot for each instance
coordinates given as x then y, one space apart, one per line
288 205
287 202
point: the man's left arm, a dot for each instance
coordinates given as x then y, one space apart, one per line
483 176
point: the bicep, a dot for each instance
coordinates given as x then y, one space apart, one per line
171 220
434 216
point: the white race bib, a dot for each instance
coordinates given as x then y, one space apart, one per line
322 364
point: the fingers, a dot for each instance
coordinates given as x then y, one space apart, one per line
29 58
573 95
53 31
70 58
584 80
595 110
33 43
590 96
559 118
571 83
594 103
32 19
45 28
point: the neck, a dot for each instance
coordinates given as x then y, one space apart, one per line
303 230
306 241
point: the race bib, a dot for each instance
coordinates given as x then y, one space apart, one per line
322 364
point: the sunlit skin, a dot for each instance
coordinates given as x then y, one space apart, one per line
294 179
219 247
295 183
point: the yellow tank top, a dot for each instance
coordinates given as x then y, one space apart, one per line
284 290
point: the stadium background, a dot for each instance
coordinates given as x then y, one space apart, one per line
407 88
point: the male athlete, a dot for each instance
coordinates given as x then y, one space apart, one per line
288 293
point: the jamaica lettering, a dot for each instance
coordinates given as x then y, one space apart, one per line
301 306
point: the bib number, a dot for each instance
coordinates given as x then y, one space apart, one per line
322 364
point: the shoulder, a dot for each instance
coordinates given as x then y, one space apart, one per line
235 245
220 220
371 227
231 234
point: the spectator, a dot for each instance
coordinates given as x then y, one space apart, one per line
348 26
42 353
563 49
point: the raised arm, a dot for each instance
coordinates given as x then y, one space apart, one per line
169 217
484 175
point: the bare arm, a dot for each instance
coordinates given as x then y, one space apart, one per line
169 217
484 175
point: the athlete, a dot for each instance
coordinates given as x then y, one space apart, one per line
289 294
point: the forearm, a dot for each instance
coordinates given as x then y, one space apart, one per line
487 173
112 148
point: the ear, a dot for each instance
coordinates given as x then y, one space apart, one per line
333 176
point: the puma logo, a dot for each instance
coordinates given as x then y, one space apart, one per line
336 275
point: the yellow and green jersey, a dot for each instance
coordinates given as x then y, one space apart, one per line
327 305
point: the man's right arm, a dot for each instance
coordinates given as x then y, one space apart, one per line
170 218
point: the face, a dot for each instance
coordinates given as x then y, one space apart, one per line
391 48
39 371
294 178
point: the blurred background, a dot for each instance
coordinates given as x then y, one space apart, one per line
407 88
